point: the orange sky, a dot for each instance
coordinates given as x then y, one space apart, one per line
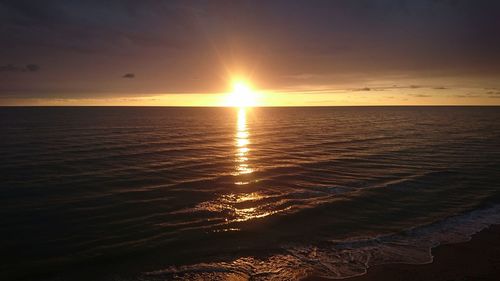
293 53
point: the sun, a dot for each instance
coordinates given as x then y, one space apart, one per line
242 95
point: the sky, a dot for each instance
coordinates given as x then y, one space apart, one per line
292 53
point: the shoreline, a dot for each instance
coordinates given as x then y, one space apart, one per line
477 259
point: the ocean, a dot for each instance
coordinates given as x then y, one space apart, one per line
163 193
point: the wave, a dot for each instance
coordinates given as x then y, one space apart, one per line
339 259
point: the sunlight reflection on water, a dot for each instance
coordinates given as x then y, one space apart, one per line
149 180
242 149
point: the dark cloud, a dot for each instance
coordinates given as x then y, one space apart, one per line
365 89
128 75
14 68
418 87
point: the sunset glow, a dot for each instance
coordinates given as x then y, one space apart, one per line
250 140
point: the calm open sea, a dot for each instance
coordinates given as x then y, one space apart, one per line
113 193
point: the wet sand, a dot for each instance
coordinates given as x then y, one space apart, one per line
476 260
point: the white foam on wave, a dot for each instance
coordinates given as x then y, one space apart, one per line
340 259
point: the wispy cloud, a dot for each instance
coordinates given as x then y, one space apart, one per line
493 93
14 68
421 95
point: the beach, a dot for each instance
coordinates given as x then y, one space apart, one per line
477 260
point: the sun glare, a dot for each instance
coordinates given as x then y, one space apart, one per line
242 95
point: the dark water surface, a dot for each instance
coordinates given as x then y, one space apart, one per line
220 193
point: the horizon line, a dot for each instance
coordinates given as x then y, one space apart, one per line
274 106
